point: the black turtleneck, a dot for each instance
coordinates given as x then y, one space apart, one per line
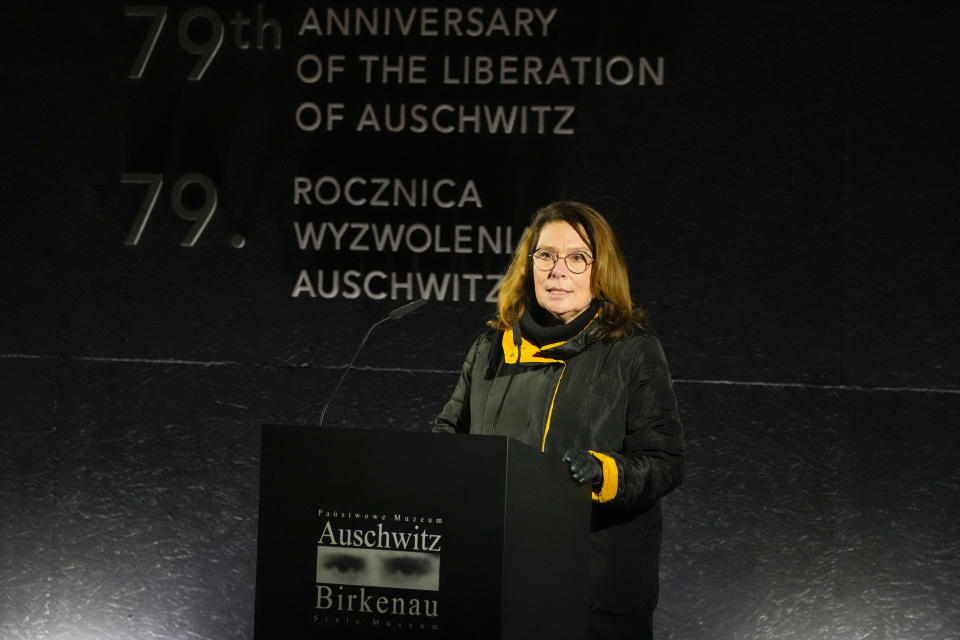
535 328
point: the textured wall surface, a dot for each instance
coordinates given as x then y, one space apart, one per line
787 204
806 513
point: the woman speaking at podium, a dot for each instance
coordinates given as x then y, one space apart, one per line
570 367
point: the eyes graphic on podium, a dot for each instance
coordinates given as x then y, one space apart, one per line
378 568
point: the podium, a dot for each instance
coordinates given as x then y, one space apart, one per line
385 534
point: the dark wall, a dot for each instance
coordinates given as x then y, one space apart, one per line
786 199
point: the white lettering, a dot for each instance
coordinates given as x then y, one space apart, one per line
427 22
357 191
452 119
381 285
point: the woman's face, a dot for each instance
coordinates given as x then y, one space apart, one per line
561 292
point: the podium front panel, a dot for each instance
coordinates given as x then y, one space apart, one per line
383 534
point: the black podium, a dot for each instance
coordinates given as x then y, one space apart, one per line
382 534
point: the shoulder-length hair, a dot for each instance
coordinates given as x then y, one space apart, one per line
609 282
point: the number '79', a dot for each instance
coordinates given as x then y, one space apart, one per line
154 182
158 18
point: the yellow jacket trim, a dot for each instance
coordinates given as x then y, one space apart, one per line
546 430
611 478
530 353
528 350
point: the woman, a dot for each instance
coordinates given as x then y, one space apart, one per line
570 367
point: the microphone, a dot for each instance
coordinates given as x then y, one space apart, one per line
397 313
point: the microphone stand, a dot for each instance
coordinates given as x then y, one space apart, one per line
399 312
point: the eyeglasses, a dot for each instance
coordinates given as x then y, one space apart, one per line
546 260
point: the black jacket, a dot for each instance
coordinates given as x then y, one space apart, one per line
613 398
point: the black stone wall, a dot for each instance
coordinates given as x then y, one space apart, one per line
787 204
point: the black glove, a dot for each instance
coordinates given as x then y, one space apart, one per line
584 468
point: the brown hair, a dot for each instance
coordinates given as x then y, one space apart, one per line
608 276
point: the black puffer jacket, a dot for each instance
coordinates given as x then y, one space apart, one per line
613 398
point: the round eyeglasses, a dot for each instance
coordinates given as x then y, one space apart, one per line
546 260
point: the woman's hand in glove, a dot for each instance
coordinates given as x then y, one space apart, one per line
584 468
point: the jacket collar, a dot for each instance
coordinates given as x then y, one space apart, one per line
557 352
